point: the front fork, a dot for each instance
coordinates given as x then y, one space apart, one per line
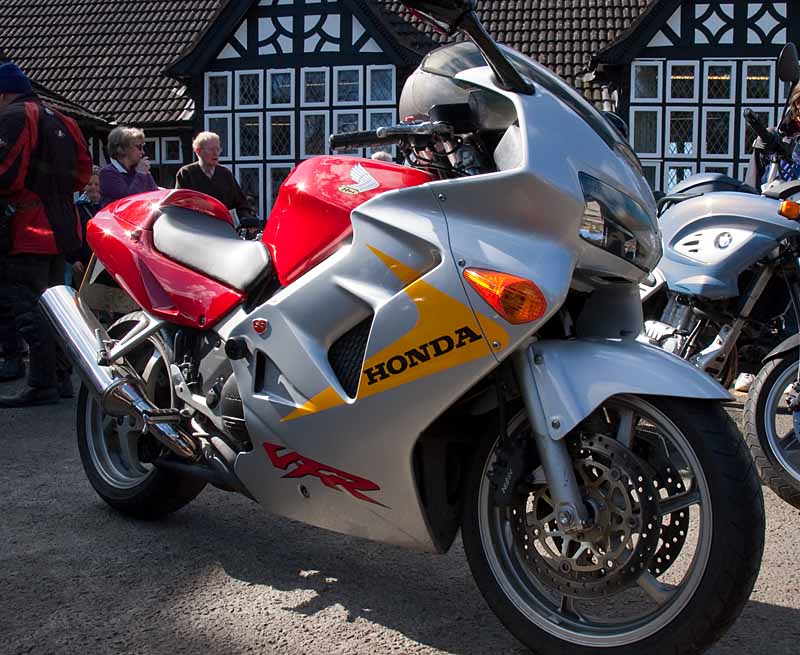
571 512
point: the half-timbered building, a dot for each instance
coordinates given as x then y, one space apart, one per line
684 72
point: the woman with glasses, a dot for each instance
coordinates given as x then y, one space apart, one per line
129 170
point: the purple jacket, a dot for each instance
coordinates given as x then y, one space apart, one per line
114 184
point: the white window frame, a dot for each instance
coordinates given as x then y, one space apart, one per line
268 197
260 168
648 163
677 164
727 155
170 139
260 117
348 103
382 110
268 128
728 166
743 169
758 101
326 131
156 149
696 66
719 101
316 69
227 106
268 90
659 128
647 62
229 117
260 103
358 152
695 130
743 128
377 67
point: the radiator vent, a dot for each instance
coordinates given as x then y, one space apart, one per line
346 355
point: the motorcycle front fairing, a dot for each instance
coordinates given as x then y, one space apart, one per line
711 239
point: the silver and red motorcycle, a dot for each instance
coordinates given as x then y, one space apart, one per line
414 350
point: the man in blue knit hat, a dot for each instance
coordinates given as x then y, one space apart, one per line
43 159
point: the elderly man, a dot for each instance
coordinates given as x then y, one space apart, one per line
43 159
208 176
129 170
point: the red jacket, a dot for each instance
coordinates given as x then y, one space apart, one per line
43 159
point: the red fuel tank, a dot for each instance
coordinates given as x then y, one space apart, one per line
311 216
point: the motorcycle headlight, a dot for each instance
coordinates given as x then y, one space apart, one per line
618 224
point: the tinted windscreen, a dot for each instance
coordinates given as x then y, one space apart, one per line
452 59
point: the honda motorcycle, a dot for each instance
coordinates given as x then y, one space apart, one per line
414 350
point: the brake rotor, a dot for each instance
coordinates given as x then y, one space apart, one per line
674 526
609 556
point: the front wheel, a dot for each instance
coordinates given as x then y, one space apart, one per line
674 549
769 428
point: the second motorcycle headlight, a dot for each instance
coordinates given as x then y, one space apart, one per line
618 224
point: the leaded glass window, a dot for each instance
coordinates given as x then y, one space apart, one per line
151 150
314 136
248 89
757 82
650 171
718 133
682 81
172 153
380 85
719 82
681 136
218 92
280 135
347 86
646 81
248 130
646 130
221 125
315 86
250 183
345 122
280 91
676 175
380 118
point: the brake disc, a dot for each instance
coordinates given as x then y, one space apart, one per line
612 554
674 526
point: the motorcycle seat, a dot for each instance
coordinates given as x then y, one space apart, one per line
210 246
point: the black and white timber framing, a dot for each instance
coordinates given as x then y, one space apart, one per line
685 71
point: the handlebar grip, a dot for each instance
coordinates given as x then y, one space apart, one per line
769 138
363 139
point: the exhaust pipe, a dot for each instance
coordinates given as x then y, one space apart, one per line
119 390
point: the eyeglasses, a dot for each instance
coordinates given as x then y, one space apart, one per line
138 146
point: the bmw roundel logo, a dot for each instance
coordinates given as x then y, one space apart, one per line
723 240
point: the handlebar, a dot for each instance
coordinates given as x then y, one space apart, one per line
389 135
364 139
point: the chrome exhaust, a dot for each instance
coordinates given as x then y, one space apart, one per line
118 389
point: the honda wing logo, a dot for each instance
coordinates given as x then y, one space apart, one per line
363 181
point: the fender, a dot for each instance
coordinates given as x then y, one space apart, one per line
575 377
790 343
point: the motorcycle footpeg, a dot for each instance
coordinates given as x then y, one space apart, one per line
157 415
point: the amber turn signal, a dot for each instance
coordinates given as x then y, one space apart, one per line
790 209
516 299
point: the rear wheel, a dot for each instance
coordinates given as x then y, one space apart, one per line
769 428
109 446
674 551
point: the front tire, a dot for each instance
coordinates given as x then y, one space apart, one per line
109 449
707 496
769 429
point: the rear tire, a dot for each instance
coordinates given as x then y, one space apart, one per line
110 454
763 429
697 610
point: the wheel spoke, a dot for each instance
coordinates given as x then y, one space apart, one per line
567 609
678 502
657 591
790 444
627 423
129 446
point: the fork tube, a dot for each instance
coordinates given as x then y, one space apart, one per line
571 512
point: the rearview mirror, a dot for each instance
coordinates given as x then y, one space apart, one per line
788 64
443 15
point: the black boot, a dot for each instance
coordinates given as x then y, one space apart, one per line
12 368
31 396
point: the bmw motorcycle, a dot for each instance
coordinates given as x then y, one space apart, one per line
414 350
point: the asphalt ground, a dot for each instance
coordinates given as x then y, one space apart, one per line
222 576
